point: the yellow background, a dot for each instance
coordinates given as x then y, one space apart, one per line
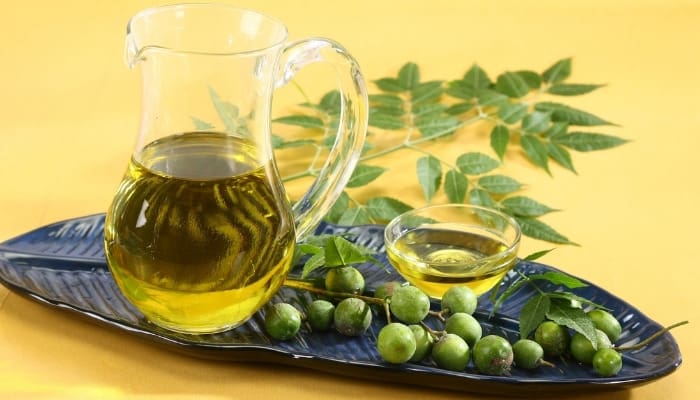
69 111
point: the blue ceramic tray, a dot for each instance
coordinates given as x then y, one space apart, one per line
62 265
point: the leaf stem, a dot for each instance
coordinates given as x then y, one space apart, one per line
651 338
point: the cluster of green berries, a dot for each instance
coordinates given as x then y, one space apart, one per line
556 341
407 338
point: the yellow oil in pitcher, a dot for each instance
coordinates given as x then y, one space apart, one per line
198 237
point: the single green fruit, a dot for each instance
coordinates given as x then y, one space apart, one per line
320 315
282 321
464 326
386 289
493 355
527 354
607 323
451 352
553 338
345 280
424 343
409 304
352 317
396 343
607 362
459 299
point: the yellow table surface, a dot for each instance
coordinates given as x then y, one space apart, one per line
70 111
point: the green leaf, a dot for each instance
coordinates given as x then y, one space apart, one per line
512 85
364 174
474 163
575 299
561 156
461 90
500 136
532 78
539 230
557 129
560 279
339 207
558 72
429 173
354 216
340 252
574 318
426 92
536 151
228 113
386 208
587 141
277 141
573 116
201 125
429 110
455 186
477 78
512 113
304 121
572 89
391 85
409 76
487 97
382 120
533 313
480 197
314 262
537 255
535 122
499 184
390 101
432 126
459 108
295 143
331 102
525 207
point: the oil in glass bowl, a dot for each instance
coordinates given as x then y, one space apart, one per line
434 255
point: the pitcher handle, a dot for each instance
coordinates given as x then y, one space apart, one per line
352 126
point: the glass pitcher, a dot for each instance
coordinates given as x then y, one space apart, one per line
201 233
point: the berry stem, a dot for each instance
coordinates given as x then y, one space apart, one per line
650 339
304 285
435 334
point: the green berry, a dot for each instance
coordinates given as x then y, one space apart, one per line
352 317
493 355
282 321
409 304
464 326
607 323
320 315
386 289
424 343
345 280
527 354
607 362
459 299
553 338
451 352
582 348
396 343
